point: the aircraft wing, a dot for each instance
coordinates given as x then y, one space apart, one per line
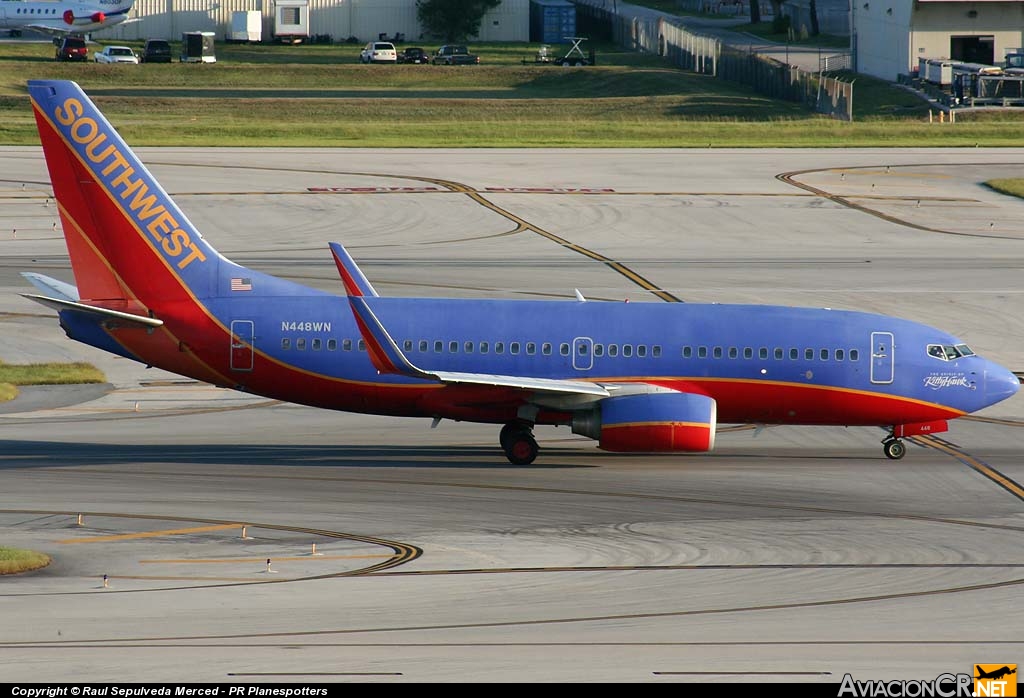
387 357
47 29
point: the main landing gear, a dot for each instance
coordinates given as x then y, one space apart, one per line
518 443
894 448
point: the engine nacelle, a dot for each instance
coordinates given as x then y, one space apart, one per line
98 17
651 422
69 17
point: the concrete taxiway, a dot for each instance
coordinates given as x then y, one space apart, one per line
790 554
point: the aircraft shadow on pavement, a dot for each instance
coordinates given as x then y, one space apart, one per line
53 454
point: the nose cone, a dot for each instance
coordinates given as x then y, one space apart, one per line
1000 384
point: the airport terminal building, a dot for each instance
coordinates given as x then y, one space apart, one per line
889 36
339 19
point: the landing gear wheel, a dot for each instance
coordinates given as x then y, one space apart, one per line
510 430
894 449
522 448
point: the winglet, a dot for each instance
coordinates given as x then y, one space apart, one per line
383 350
351 275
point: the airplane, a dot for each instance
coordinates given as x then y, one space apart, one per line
995 674
62 17
636 377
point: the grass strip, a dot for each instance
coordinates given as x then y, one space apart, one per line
15 560
50 374
1013 187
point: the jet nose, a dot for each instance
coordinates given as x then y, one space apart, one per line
1000 384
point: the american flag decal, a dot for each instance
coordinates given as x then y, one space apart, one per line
241 284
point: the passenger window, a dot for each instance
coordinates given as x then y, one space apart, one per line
483 347
581 349
499 347
717 352
702 352
809 354
424 345
687 352
346 345
854 355
839 354
407 345
748 353
468 347
613 350
438 346
794 354
332 345
453 347
513 348
531 348
563 349
762 353
545 349
300 344
778 353
734 353
627 350
598 350
656 351
361 345
286 344
823 354
641 350
317 344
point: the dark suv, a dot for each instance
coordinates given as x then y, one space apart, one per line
71 48
156 51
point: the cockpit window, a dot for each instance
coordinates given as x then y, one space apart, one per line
949 352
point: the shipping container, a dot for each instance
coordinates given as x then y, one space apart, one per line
552 21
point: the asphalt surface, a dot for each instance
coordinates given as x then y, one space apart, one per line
788 554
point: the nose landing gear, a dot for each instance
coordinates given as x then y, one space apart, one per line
894 448
518 443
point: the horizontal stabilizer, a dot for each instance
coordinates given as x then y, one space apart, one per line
127 318
52 288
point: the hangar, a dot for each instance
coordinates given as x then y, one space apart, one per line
339 19
889 36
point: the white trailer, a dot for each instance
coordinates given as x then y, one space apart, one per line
291 21
246 26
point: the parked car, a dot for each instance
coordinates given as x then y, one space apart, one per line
451 54
156 51
379 52
116 54
71 48
414 55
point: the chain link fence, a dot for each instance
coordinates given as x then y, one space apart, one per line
707 55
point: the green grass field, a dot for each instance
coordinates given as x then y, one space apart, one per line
13 375
319 95
15 560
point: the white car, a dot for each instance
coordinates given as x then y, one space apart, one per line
116 54
379 52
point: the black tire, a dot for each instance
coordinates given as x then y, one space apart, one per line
894 449
522 449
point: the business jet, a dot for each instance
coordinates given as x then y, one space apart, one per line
636 377
61 17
